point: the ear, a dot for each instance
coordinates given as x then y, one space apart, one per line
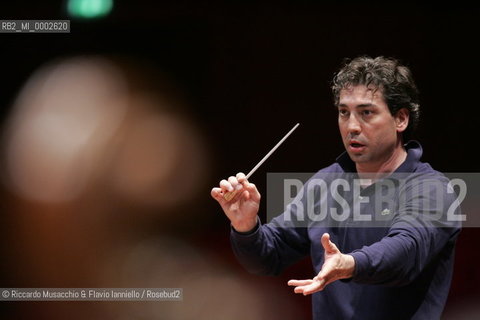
401 119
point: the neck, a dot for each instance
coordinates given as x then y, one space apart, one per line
384 167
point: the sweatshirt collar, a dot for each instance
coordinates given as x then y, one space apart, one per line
414 153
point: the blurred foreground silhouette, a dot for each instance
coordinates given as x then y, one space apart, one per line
102 172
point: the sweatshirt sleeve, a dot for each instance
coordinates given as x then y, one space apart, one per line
420 233
272 247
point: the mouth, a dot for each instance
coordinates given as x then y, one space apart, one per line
356 146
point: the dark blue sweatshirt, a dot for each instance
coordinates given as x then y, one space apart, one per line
403 265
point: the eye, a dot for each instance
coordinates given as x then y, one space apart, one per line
342 112
367 112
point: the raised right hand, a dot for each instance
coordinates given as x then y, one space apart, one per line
242 209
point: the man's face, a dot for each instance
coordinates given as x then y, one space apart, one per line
368 129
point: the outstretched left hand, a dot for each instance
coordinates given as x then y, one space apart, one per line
336 266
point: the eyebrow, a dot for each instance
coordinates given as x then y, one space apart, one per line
363 105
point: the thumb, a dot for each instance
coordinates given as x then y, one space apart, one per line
252 189
328 245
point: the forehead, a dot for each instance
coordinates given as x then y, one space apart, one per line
353 95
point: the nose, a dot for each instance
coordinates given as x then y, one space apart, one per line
353 125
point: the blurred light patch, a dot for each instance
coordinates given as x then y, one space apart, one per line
161 158
84 126
89 9
62 119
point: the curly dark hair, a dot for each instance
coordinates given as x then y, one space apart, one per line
387 74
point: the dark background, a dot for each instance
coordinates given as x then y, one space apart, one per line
251 70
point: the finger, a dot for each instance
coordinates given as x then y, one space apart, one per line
297 283
241 177
226 186
313 287
252 189
234 182
298 290
328 245
217 193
